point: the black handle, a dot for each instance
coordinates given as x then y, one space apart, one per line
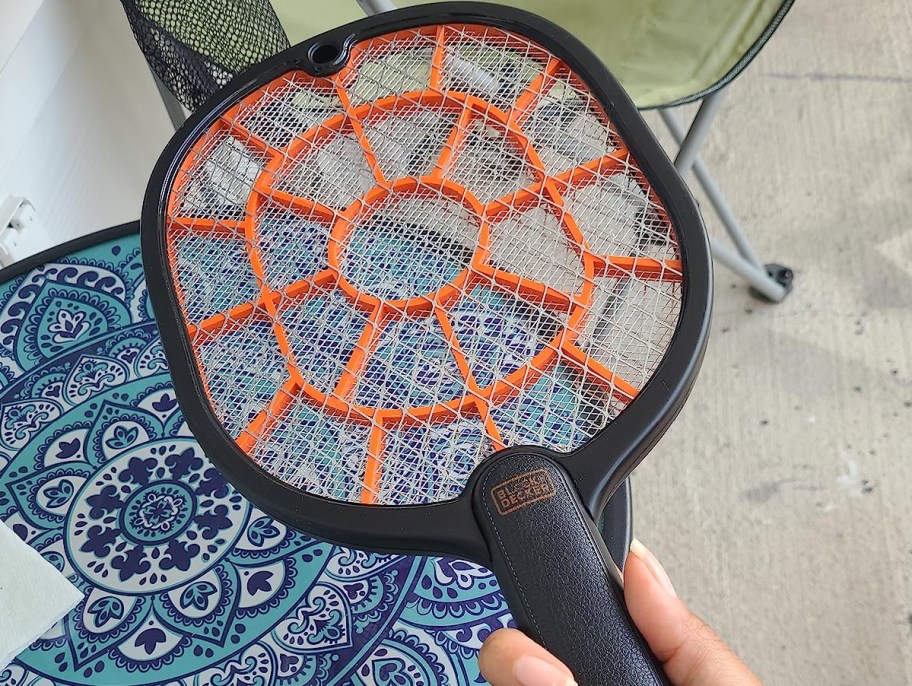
561 585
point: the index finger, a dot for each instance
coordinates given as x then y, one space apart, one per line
510 658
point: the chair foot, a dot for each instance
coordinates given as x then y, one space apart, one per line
784 276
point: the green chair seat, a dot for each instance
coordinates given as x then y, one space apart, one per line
664 52
305 19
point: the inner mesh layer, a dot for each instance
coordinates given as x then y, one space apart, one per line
443 250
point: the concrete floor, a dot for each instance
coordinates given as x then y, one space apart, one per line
781 500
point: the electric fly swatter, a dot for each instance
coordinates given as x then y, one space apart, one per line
427 284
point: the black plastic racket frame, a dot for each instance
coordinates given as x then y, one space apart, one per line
446 528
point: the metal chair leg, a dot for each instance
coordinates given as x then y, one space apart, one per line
691 141
175 109
372 7
771 281
689 158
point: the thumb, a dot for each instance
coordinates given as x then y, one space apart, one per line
691 652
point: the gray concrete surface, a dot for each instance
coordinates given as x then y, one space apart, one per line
781 500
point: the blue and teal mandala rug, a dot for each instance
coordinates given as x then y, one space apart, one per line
185 582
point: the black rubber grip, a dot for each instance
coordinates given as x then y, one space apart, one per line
562 587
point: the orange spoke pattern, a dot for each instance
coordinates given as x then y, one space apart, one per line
224 322
231 320
501 126
360 356
358 128
531 291
497 441
538 89
643 268
247 137
619 387
479 402
592 171
524 197
269 417
578 177
373 466
302 206
436 80
458 134
461 361
206 226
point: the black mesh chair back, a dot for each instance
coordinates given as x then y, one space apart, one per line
195 46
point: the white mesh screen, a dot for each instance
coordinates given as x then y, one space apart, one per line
443 250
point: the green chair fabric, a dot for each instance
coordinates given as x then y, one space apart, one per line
664 52
303 19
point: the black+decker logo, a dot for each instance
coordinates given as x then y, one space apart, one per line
520 491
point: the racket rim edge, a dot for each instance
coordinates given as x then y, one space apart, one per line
448 527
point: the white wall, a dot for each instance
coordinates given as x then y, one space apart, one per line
81 123
16 15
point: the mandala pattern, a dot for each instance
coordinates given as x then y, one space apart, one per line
185 582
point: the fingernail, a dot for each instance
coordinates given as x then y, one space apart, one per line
654 566
533 671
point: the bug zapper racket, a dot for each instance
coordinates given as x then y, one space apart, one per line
427 284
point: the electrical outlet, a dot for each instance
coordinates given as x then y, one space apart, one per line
21 231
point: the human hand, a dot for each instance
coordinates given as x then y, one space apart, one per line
690 652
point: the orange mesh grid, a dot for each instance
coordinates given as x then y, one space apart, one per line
348 119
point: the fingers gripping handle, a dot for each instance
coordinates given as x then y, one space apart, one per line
556 574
